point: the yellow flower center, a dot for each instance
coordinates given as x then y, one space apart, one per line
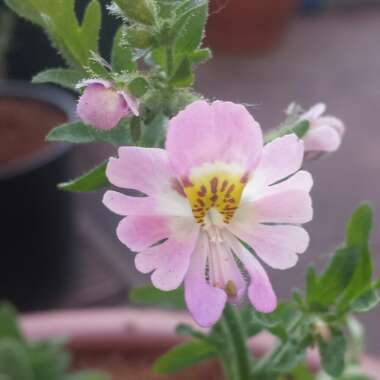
214 187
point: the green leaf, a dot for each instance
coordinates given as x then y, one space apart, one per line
189 27
311 285
122 56
333 353
8 323
63 77
93 180
49 359
76 132
150 296
25 10
14 360
337 276
200 56
366 301
183 76
138 87
90 28
184 356
358 232
154 132
140 37
299 373
80 133
142 11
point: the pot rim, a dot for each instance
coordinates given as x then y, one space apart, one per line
54 96
131 329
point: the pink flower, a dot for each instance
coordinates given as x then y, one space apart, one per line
325 133
102 106
214 187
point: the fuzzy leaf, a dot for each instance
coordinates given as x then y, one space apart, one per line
150 296
142 11
90 28
200 56
93 180
138 87
300 129
333 353
189 27
184 356
140 37
122 56
76 132
63 77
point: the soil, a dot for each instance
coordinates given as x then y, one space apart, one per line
139 366
24 124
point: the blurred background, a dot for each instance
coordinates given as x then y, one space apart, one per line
266 55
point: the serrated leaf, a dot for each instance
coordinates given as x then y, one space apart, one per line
8 323
183 76
14 360
333 353
122 56
93 180
184 356
189 27
63 77
150 296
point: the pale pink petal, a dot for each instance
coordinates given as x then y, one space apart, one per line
125 205
276 245
302 181
289 206
333 122
314 112
281 158
144 169
169 260
205 302
140 232
132 102
260 291
322 139
208 133
101 107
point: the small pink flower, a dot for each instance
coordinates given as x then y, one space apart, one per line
325 133
102 106
214 187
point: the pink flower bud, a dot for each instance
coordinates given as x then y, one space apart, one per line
102 106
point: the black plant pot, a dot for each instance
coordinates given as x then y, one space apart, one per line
35 216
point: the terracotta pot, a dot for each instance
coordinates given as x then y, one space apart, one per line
110 339
248 26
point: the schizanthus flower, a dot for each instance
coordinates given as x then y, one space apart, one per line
213 188
325 132
102 106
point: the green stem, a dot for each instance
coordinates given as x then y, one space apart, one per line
233 323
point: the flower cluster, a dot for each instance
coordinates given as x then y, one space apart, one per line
202 202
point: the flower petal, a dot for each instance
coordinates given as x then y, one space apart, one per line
314 112
277 245
281 158
125 205
260 291
205 302
144 169
322 139
140 232
169 260
209 133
